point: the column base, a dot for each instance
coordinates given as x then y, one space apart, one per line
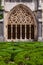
40 39
1 38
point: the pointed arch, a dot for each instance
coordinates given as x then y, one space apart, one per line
22 14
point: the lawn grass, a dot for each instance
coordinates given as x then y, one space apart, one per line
21 53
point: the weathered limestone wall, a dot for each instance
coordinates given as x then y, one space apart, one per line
8 5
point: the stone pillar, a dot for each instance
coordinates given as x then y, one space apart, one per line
42 23
5 25
40 31
42 20
2 3
41 38
36 4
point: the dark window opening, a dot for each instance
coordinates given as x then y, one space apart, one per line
18 31
26 0
27 31
9 31
18 0
14 31
23 31
32 31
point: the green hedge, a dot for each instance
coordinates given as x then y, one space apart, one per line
1 16
21 53
1 7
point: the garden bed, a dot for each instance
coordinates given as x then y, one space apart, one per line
21 53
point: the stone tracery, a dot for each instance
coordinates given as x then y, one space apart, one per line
20 15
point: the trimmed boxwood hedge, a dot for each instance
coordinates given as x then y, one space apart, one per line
1 16
1 7
21 53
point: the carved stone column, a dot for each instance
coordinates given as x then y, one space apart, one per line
42 24
5 25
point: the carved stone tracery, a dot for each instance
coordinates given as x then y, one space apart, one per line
20 16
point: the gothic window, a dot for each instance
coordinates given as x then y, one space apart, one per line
22 24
